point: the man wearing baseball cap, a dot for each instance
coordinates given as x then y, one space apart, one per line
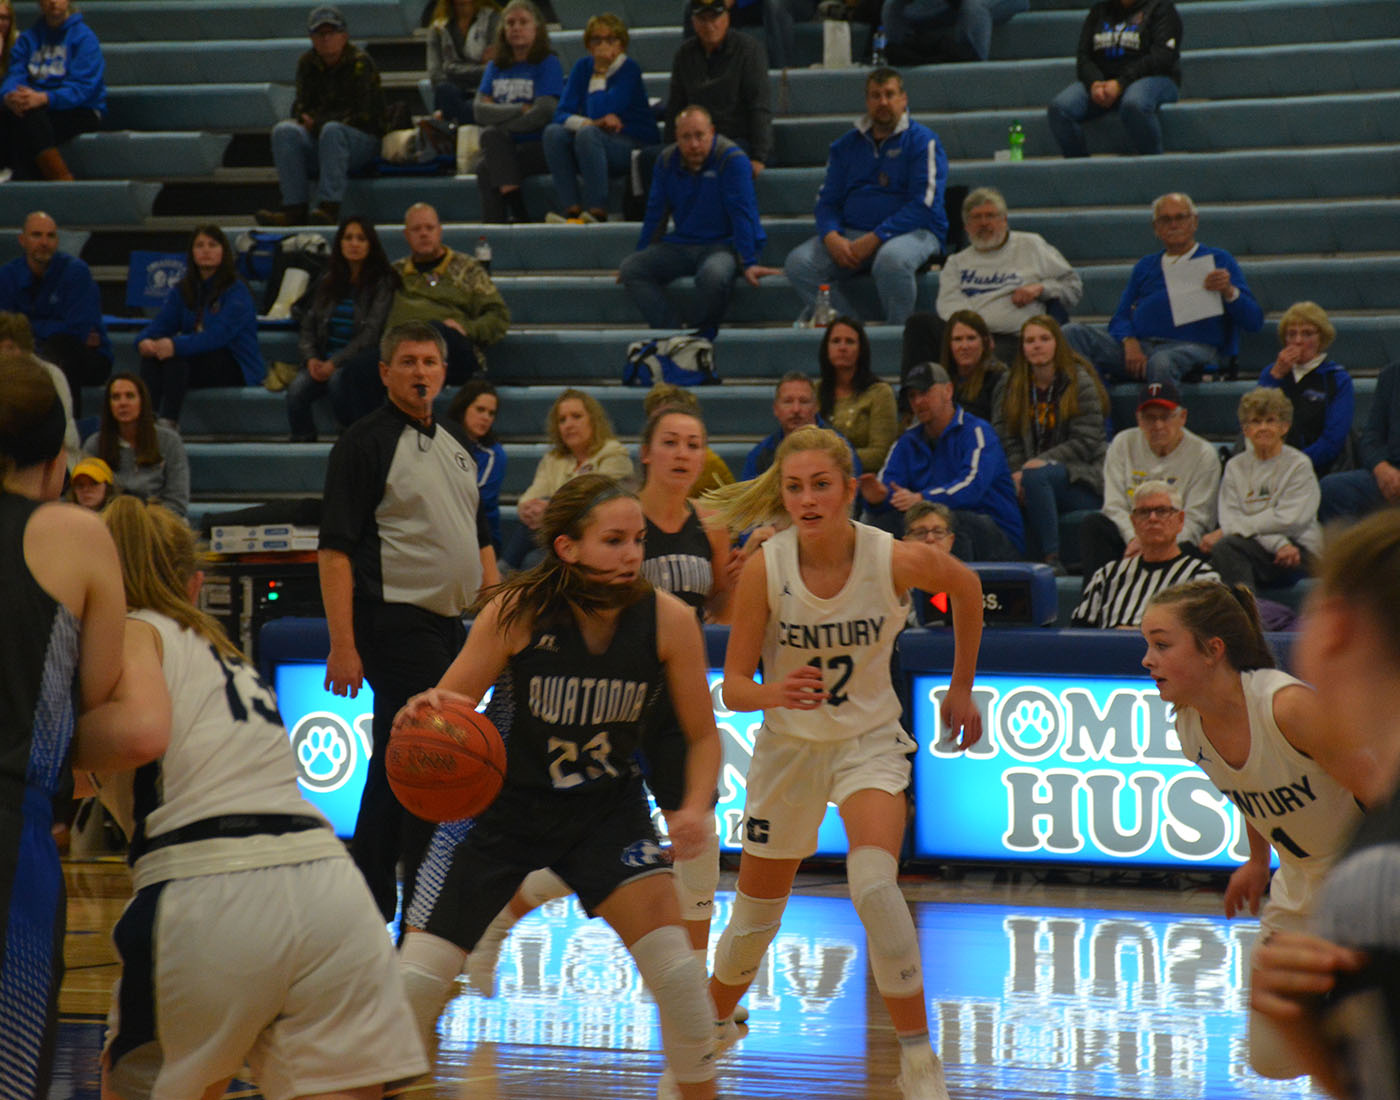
1158 449
336 125
953 458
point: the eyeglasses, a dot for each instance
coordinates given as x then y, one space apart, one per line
1162 511
1173 219
1264 420
924 533
598 39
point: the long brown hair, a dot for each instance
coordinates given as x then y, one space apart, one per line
157 553
1016 405
691 412
1362 566
147 445
553 589
1209 609
597 418
27 398
226 275
539 49
8 42
968 388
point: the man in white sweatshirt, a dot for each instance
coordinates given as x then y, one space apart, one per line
1268 531
1159 449
1005 275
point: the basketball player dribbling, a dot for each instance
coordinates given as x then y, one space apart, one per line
252 935
824 600
576 648
1254 731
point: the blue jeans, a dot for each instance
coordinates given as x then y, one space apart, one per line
1137 107
894 267
647 273
972 20
1166 359
1049 493
1349 495
354 388
455 102
332 155
594 154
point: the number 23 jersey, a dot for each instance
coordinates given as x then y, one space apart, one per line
572 718
849 636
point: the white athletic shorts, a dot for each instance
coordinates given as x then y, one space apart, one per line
791 780
288 968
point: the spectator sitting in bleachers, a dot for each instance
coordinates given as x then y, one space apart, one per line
1007 276
517 100
582 441
953 458
1319 388
461 40
880 207
92 484
704 186
17 339
727 74
474 406
1160 448
1351 494
774 16
340 328
1269 496
1116 594
794 406
59 296
147 458
849 396
602 118
1049 413
53 89
715 472
1143 341
450 291
336 125
920 32
1129 60
8 33
206 333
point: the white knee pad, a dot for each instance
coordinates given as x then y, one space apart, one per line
542 886
428 965
697 880
677 982
753 923
891 941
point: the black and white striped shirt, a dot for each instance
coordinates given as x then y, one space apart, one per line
1118 592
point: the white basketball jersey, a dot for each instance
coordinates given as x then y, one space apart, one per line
229 754
850 637
1289 800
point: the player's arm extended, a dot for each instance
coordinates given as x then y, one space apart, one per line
476 667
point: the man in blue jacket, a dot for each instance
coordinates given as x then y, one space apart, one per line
880 207
1144 340
704 185
953 458
55 87
59 296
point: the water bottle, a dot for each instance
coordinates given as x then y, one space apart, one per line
877 48
1016 141
821 311
483 252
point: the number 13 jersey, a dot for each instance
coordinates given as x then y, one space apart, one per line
850 637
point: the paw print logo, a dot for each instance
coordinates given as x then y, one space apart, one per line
325 751
1030 723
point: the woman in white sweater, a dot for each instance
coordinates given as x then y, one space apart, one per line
582 442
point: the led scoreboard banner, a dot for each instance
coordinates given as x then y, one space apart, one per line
1078 764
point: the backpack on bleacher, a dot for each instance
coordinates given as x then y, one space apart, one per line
684 360
255 250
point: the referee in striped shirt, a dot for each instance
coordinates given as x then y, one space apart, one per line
1116 594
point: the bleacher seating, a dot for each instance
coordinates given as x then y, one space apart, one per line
1287 135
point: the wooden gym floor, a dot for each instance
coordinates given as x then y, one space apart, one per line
1036 990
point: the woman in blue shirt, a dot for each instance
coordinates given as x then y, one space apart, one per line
206 333
474 406
602 118
53 89
516 101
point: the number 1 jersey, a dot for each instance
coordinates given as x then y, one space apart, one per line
850 637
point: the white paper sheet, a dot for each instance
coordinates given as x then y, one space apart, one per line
1190 300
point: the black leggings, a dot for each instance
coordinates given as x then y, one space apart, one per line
168 379
24 136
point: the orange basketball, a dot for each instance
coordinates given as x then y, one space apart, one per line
447 763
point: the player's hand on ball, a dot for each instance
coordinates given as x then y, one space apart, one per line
802 690
432 699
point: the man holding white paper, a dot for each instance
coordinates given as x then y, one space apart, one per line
1183 307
